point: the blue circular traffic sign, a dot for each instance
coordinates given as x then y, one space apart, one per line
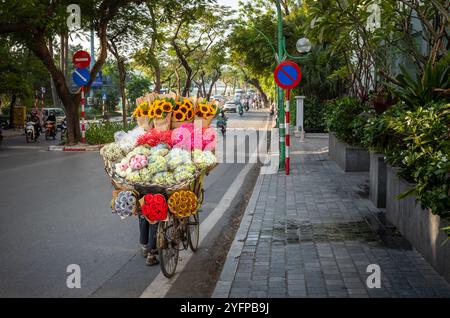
81 76
287 75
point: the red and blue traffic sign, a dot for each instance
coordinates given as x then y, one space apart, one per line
81 76
287 75
81 59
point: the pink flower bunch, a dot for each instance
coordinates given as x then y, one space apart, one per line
190 138
138 162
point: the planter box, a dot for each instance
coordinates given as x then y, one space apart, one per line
377 180
350 159
420 227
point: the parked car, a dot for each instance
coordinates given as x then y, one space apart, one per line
230 106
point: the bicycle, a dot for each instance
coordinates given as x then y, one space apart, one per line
178 231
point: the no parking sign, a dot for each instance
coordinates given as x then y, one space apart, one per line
288 75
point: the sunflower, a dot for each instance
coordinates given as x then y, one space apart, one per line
159 112
188 104
151 113
167 107
179 116
189 114
177 106
183 109
204 108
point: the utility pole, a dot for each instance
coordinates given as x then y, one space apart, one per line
280 97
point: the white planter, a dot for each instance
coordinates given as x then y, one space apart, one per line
349 158
377 180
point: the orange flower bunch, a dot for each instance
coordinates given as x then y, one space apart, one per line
183 110
160 108
183 203
206 110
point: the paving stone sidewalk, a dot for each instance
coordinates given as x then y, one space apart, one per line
314 233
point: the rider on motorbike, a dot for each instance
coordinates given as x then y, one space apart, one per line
33 117
222 121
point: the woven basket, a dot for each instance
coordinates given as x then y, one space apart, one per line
162 124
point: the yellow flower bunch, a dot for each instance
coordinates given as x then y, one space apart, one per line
183 110
206 110
160 108
183 203
141 110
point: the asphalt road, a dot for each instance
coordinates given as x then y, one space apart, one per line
55 212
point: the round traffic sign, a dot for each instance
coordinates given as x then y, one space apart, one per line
81 59
287 75
81 76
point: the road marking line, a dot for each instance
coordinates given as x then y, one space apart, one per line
160 286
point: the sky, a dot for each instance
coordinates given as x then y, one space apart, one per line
232 3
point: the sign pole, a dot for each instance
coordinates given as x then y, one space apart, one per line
286 129
83 127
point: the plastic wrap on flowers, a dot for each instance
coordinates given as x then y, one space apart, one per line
184 172
164 179
177 157
154 207
183 203
190 137
124 203
204 159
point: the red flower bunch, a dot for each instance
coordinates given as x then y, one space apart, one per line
154 207
190 138
154 137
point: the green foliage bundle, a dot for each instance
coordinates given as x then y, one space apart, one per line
98 134
314 114
418 142
346 117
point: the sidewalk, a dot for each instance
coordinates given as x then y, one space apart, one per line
313 234
7 133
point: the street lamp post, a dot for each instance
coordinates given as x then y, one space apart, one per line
303 46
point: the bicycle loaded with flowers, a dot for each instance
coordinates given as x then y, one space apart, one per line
157 169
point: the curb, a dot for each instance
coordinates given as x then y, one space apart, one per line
76 148
223 286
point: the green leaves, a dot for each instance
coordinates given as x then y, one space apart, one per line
421 90
346 117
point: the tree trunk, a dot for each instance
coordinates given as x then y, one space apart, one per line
213 83
186 67
52 84
71 102
122 77
11 111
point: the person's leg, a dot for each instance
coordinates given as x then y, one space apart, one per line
144 228
151 258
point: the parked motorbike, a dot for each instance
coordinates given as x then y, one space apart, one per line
30 132
50 130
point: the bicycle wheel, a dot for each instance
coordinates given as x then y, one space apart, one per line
168 247
193 231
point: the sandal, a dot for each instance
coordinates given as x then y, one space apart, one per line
151 260
144 250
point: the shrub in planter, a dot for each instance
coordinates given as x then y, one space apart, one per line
423 155
314 114
346 117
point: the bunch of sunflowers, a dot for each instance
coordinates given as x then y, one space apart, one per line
141 110
183 203
183 110
206 110
160 108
